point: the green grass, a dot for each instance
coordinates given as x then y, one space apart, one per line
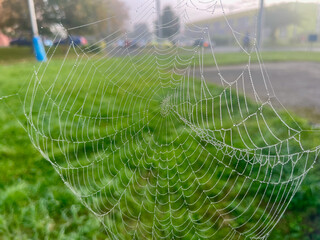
12 55
24 54
240 58
34 202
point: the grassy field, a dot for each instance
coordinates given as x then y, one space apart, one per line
35 203
13 55
240 58
23 54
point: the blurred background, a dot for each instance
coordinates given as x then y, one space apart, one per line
286 25
285 33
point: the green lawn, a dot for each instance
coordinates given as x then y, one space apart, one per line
34 202
67 117
240 58
23 54
12 55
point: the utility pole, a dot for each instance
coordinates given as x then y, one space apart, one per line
108 3
318 20
159 27
260 25
37 42
294 34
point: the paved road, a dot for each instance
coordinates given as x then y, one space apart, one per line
296 85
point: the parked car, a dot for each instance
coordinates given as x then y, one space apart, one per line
153 43
26 42
201 43
128 43
167 44
163 44
76 40
47 42
184 43
21 42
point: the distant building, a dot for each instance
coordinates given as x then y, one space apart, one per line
223 30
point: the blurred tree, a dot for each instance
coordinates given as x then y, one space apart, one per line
72 13
279 17
170 24
14 18
141 31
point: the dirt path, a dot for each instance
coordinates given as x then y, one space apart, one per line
296 85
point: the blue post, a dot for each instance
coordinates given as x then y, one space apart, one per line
38 47
39 50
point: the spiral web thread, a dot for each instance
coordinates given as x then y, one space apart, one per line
155 153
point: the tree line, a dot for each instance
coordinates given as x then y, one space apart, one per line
14 15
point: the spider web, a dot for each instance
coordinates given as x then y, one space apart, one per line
155 152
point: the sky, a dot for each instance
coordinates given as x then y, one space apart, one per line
229 5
